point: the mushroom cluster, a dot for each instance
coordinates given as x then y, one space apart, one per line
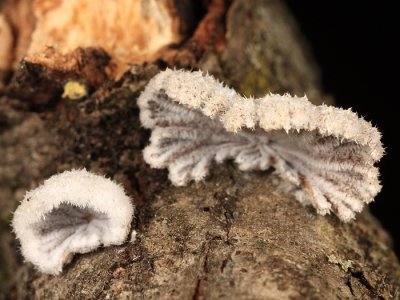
326 153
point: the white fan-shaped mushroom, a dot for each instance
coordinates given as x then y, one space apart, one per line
327 152
72 212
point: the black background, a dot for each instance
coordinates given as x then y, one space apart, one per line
353 44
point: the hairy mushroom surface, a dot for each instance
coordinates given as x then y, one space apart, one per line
326 152
72 212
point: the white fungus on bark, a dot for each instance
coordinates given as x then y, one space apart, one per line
326 152
72 212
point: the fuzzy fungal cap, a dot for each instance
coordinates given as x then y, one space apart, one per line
326 152
72 212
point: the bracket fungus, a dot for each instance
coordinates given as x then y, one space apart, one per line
72 212
326 152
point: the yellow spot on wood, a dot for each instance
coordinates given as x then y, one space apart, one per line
74 90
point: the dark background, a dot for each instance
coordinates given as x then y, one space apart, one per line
353 44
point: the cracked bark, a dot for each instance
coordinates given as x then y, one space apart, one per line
236 235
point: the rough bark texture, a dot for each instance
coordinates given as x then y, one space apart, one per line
236 235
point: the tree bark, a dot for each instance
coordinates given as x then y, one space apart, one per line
234 236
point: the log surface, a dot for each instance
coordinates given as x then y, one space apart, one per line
234 236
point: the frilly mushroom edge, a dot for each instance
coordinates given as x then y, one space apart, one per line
72 212
328 153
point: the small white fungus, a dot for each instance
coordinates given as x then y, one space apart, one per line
72 212
327 152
